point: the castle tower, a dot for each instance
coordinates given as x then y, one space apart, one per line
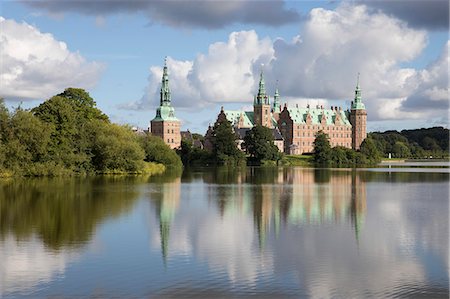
358 119
276 104
165 124
261 106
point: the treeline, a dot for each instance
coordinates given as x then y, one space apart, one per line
67 134
418 143
339 156
258 145
415 144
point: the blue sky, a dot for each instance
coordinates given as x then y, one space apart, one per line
215 49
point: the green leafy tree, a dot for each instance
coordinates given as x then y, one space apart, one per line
83 104
258 143
25 141
69 114
430 144
157 151
322 149
339 157
370 150
115 148
225 150
4 117
401 150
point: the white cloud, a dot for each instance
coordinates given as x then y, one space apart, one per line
432 87
336 45
34 65
322 62
224 74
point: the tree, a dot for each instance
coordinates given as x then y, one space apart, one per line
157 151
401 150
322 149
26 140
339 157
114 148
370 150
69 114
83 104
258 143
225 150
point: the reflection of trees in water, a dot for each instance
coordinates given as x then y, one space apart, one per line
63 211
403 177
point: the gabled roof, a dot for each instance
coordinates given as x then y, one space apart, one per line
233 116
298 115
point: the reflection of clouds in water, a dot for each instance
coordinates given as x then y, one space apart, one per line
179 242
332 244
404 223
25 264
229 244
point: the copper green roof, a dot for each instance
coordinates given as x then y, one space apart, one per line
233 116
298 115
357 104
165 113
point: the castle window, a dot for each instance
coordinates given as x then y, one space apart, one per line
168 140
172 140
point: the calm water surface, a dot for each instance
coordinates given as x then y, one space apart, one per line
263 232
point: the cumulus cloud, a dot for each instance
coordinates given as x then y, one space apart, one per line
432 90
431 14
194 14
322 62
224 74
34 65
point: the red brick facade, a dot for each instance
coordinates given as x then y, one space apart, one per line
358 119
299 136
169 131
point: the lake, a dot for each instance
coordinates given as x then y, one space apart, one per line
209 233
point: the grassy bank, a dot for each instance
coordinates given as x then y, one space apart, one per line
149 168
297 160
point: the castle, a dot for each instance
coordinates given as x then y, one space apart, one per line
298 126
165 124
293 128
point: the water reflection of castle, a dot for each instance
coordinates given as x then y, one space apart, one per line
308 196
289 197
166 201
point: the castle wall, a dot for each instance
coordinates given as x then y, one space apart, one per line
299 138
358 119
169 131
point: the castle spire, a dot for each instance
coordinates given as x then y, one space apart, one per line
165 90
276 100
262 98
357 103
